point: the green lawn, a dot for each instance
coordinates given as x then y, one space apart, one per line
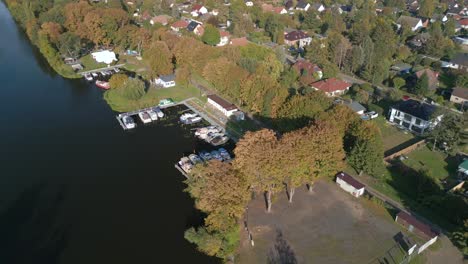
391 135
437 163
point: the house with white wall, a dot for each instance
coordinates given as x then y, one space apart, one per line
350 185
166 81
222 105
417 117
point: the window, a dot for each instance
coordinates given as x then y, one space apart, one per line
418 121
407 117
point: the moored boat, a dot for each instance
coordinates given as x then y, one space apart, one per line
219 140
205 156
224 154
185 164
153 115
103 85
95 75
88 77
216 155
159 112
195 159
145 117
128 122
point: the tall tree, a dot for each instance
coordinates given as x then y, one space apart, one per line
422 85
211 35
426 8
159 58
450 132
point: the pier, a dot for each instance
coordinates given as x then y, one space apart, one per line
102 69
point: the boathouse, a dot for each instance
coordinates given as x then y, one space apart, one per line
222 105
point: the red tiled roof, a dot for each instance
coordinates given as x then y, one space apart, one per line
464 22
278 9
295 35
331 85
350 180
425 229
306 65
239 41
223 103
196 7
180 24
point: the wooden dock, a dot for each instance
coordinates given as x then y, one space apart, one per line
181 171
102 69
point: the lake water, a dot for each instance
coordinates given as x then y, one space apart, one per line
76 188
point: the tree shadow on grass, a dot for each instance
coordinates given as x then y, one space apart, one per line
30 230
281 252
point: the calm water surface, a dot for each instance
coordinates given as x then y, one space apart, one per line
76 188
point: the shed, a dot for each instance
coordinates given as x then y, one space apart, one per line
349 184
415 226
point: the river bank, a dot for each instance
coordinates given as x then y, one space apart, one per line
76 188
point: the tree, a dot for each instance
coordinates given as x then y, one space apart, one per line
422 85
255 155
118 80
69 44
211 35
159 58
426 8
449 132
365 148
53 31
398 82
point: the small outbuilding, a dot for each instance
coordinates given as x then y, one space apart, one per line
420 229
349 184
166 81
222 105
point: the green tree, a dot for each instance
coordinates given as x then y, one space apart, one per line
69 44
118 80
426 8
211 35
159 58
422 86
398 82
450 132
365 148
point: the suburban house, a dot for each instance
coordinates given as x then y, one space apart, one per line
297 37
420 229
439 17
463 170
166 81
105 56
332 86
350 185
248 2
463 23
419 40
177 26
239 41
318 7
414 115
198 10
433 77
302 5
162 19
196 28
459 95
222 105
224 38
289 5
308 72
413 22
459 61
270 8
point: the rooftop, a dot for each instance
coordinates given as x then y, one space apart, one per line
461 59
350 180
460 92
331 85
223 103
411 21
416 108
417 224
295 35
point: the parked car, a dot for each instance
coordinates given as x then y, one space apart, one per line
372 114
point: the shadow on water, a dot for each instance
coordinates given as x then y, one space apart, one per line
29 230
281 252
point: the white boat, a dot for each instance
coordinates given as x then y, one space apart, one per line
116 70
185 164
159 112
95 75
193 120
145 117
103 73
88 77
219 140
108 72
153 115
195 159
128 122
205 132
185 116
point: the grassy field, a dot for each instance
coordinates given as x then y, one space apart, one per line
439 165
391 135
90 64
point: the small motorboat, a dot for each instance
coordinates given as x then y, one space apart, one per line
95 75
195 159
153 115
185 164
108 72
88 77
205 156
193 120
159 112
145 117
103 73
103 85
185 116
128 122
216 155
166 102
117 70
219 140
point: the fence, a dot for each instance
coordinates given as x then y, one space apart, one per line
405 150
